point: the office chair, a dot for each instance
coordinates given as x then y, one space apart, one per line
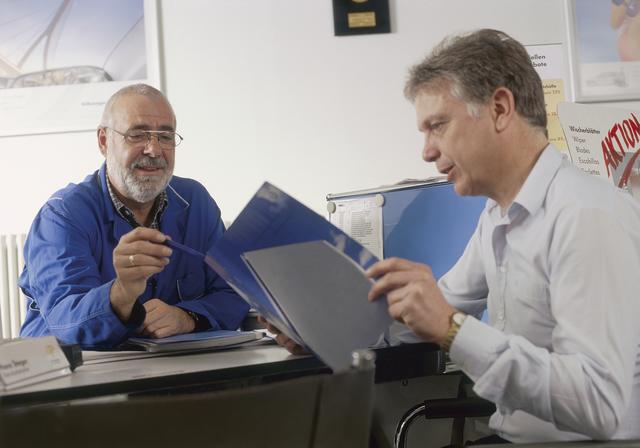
329 410
463 407
457 408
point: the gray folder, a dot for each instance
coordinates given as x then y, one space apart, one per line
323 293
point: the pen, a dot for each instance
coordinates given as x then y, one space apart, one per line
208 259
184 248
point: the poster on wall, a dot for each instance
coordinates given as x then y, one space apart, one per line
604 142
605 48
60 60
549 62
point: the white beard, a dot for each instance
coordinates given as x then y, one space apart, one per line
141 189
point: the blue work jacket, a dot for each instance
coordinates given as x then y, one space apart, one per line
69 264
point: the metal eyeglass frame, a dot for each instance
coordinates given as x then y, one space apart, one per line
148 134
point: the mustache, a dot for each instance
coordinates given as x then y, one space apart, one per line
149 162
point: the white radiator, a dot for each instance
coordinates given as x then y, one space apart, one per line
13 305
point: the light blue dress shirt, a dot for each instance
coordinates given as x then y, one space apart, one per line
559 272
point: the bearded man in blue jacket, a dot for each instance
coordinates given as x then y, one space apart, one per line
97 270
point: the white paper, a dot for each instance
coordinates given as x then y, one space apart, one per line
549 62
361 219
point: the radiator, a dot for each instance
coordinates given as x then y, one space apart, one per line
13 305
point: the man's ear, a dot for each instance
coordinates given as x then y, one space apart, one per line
102 140
503 108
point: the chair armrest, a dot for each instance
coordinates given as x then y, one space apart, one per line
407 361
441 408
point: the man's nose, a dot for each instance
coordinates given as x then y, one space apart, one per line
152 147
430 152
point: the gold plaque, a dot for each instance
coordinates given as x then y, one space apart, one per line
352 17
362 19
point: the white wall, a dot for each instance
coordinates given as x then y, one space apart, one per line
264 91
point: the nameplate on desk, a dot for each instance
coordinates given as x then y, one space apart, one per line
30 360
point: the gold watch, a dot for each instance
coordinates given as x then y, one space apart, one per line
455 322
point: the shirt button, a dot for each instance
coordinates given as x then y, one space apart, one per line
501 315
502 269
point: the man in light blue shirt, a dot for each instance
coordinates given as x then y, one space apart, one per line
555 257
96 269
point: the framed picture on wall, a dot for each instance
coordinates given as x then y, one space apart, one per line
604 43
60 60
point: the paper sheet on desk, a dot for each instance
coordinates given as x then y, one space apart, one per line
325 295
99 357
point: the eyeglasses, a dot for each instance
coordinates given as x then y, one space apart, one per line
166 139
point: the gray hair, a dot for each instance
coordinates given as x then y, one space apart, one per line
133 89
476 64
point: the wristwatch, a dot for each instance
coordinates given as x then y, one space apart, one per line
455 322
194 317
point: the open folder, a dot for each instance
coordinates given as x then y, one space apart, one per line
303 274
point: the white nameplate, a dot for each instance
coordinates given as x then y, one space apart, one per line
31 360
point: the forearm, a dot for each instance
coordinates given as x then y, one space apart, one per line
223 309
121 302
572 391
84 318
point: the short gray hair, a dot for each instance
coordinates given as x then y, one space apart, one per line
133 89
476 64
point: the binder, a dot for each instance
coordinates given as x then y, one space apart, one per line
192 341
266 257
324 296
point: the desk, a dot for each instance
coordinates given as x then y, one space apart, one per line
207 371
317 410
173 373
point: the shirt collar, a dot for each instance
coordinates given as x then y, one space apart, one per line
159 206
534 189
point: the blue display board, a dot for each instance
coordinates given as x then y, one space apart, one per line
424 221
430 224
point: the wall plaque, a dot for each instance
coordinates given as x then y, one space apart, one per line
361 17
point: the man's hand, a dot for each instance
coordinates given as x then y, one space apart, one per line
413 297
164 320
283 340
138 255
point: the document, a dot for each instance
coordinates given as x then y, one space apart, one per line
361 218
604 142
300 289
549 62
192 341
